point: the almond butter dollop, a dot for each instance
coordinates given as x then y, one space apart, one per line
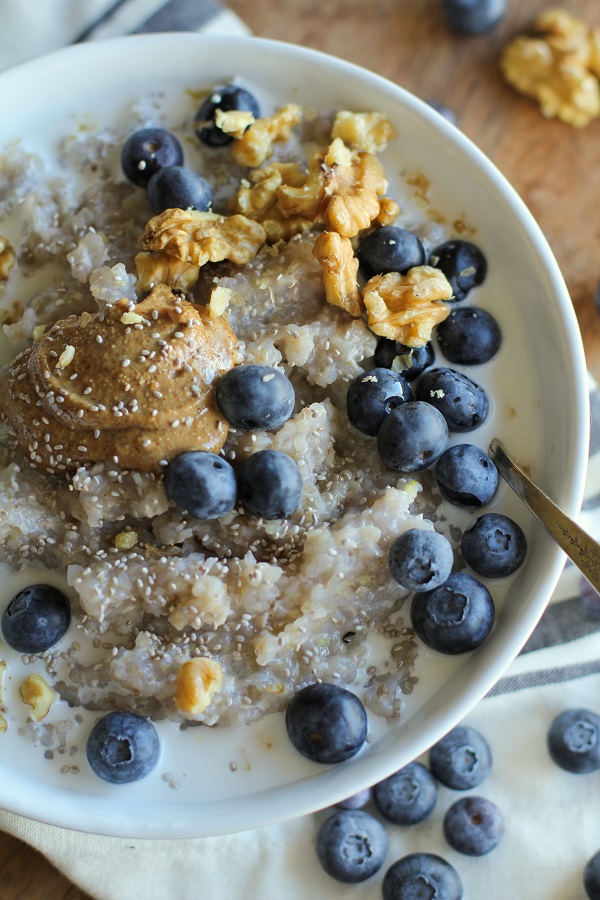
130 385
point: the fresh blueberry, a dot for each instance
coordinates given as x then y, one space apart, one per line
356 801
326 723
469 335
390 249
422 876
420 560
227 97
372 396
36 618
412 437
351 846
462 759
408 796
494 546
148 150
444 111
591 877
466 476
463 403
574 741
255 397
408 361
463 264
455 617
201 484
270 484
122 747
177 187
473 826
473 16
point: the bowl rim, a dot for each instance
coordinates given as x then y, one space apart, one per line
328 786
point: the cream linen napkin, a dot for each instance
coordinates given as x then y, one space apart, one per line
552 826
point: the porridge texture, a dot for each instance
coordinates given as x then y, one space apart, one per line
121 324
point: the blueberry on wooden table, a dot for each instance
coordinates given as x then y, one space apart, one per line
148 150
463 264
494 546
473 16
201 484
351 846
473 826
462 759
390 249
469 336
408 361
454 618
255 397
270 484
574 741
412 437
372 396
420 560
36 618
591 877
422 875
408 796
466 476
444 111
326 723
227 98
177 187
123 747
463 403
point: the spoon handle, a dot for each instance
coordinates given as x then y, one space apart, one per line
582 549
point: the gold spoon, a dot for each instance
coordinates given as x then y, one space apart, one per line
581 549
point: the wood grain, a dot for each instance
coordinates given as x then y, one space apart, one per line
555 169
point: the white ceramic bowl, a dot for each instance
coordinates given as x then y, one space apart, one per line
538 384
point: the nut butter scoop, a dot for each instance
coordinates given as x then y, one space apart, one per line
131 385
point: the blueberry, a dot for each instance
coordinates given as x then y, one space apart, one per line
408 361
356 801
420 560
225 97
412 437
574 741
351 846
494 546
455 617
372 396
422 875
408 796
463 264
326 723
270 484
201 484
177 187
473 16
462 759
255 397
390 249
466 476
122 747
591 877
473 826
36 618
148 150
463 403
444 111
469 335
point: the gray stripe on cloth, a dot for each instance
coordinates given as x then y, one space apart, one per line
106 15
513 683
565 621
181 15
591 503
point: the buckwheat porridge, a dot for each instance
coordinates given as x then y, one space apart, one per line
139 316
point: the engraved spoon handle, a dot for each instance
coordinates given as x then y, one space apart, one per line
582 549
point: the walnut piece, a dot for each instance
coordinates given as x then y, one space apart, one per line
200 237
198 680
341 191
161 268
7 258
234 121
340 268
37 693
388 212
406 308
559 67
369 131
258 200
256 143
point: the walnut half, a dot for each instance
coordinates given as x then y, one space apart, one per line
406 308
340 268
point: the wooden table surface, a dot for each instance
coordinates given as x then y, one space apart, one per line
555 169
